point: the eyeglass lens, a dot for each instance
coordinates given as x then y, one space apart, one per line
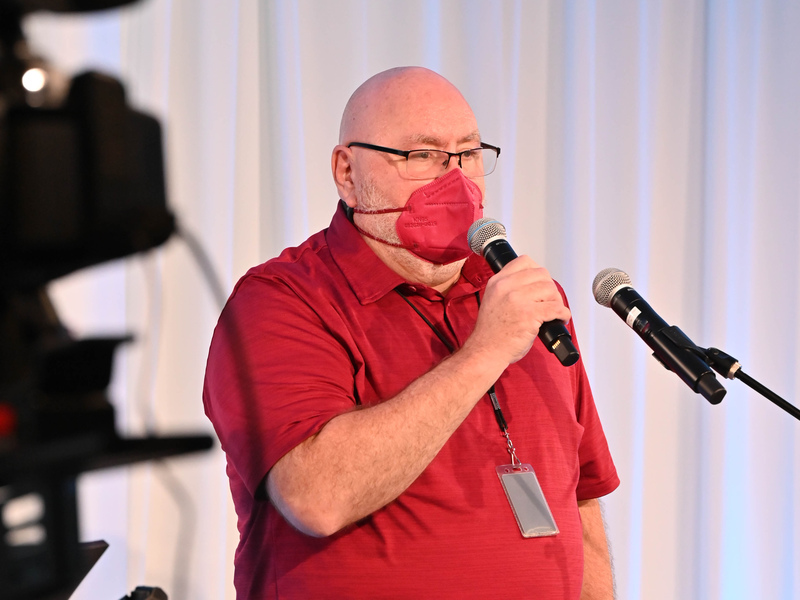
474 163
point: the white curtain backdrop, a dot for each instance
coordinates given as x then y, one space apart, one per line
659 137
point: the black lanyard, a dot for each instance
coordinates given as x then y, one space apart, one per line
498 414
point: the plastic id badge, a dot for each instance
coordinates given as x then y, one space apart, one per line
527 500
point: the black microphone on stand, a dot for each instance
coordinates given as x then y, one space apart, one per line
487 237
671 347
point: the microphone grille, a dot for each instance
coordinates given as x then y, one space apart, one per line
483 231
606 284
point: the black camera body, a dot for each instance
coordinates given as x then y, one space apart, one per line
79 184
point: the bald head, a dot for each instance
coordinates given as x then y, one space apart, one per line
409 102
407 108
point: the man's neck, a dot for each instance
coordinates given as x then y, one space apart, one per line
416 270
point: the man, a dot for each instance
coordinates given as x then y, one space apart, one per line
347 381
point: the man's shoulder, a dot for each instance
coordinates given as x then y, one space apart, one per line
295 261
312 259
306 270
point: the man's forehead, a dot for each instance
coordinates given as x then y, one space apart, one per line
434 140
409 106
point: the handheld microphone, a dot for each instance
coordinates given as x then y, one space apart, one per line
487 237
671 347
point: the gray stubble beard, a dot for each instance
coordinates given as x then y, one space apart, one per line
370 197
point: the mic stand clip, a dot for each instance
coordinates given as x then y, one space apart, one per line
729 367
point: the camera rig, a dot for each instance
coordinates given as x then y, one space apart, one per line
81 182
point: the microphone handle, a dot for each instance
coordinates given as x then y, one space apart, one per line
671 347
553 334
498 254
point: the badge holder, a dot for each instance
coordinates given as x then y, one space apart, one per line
527 500
523 491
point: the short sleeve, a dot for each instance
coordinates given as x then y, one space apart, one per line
275 375
598 475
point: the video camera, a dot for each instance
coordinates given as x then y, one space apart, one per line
81 182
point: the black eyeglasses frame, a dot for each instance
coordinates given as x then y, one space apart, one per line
405 153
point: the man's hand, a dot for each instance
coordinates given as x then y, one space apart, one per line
517 301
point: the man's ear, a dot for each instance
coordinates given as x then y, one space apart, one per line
342 169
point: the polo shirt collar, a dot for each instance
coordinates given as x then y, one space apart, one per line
476 270
370 278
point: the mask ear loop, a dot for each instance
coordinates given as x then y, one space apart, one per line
382 211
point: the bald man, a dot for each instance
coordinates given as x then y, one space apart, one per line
347 380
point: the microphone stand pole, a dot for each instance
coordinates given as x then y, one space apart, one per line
729 367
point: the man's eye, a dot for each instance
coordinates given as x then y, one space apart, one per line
422 156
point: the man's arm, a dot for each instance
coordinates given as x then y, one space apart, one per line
598 577
363 459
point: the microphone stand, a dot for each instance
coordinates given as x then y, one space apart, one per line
729 367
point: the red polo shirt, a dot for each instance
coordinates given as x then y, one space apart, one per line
309 335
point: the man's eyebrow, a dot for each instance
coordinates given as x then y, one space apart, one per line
429 140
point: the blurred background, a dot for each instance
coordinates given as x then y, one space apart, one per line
658 137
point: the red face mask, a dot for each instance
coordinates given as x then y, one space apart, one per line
436 219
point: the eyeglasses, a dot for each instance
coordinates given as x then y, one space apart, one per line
429 164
